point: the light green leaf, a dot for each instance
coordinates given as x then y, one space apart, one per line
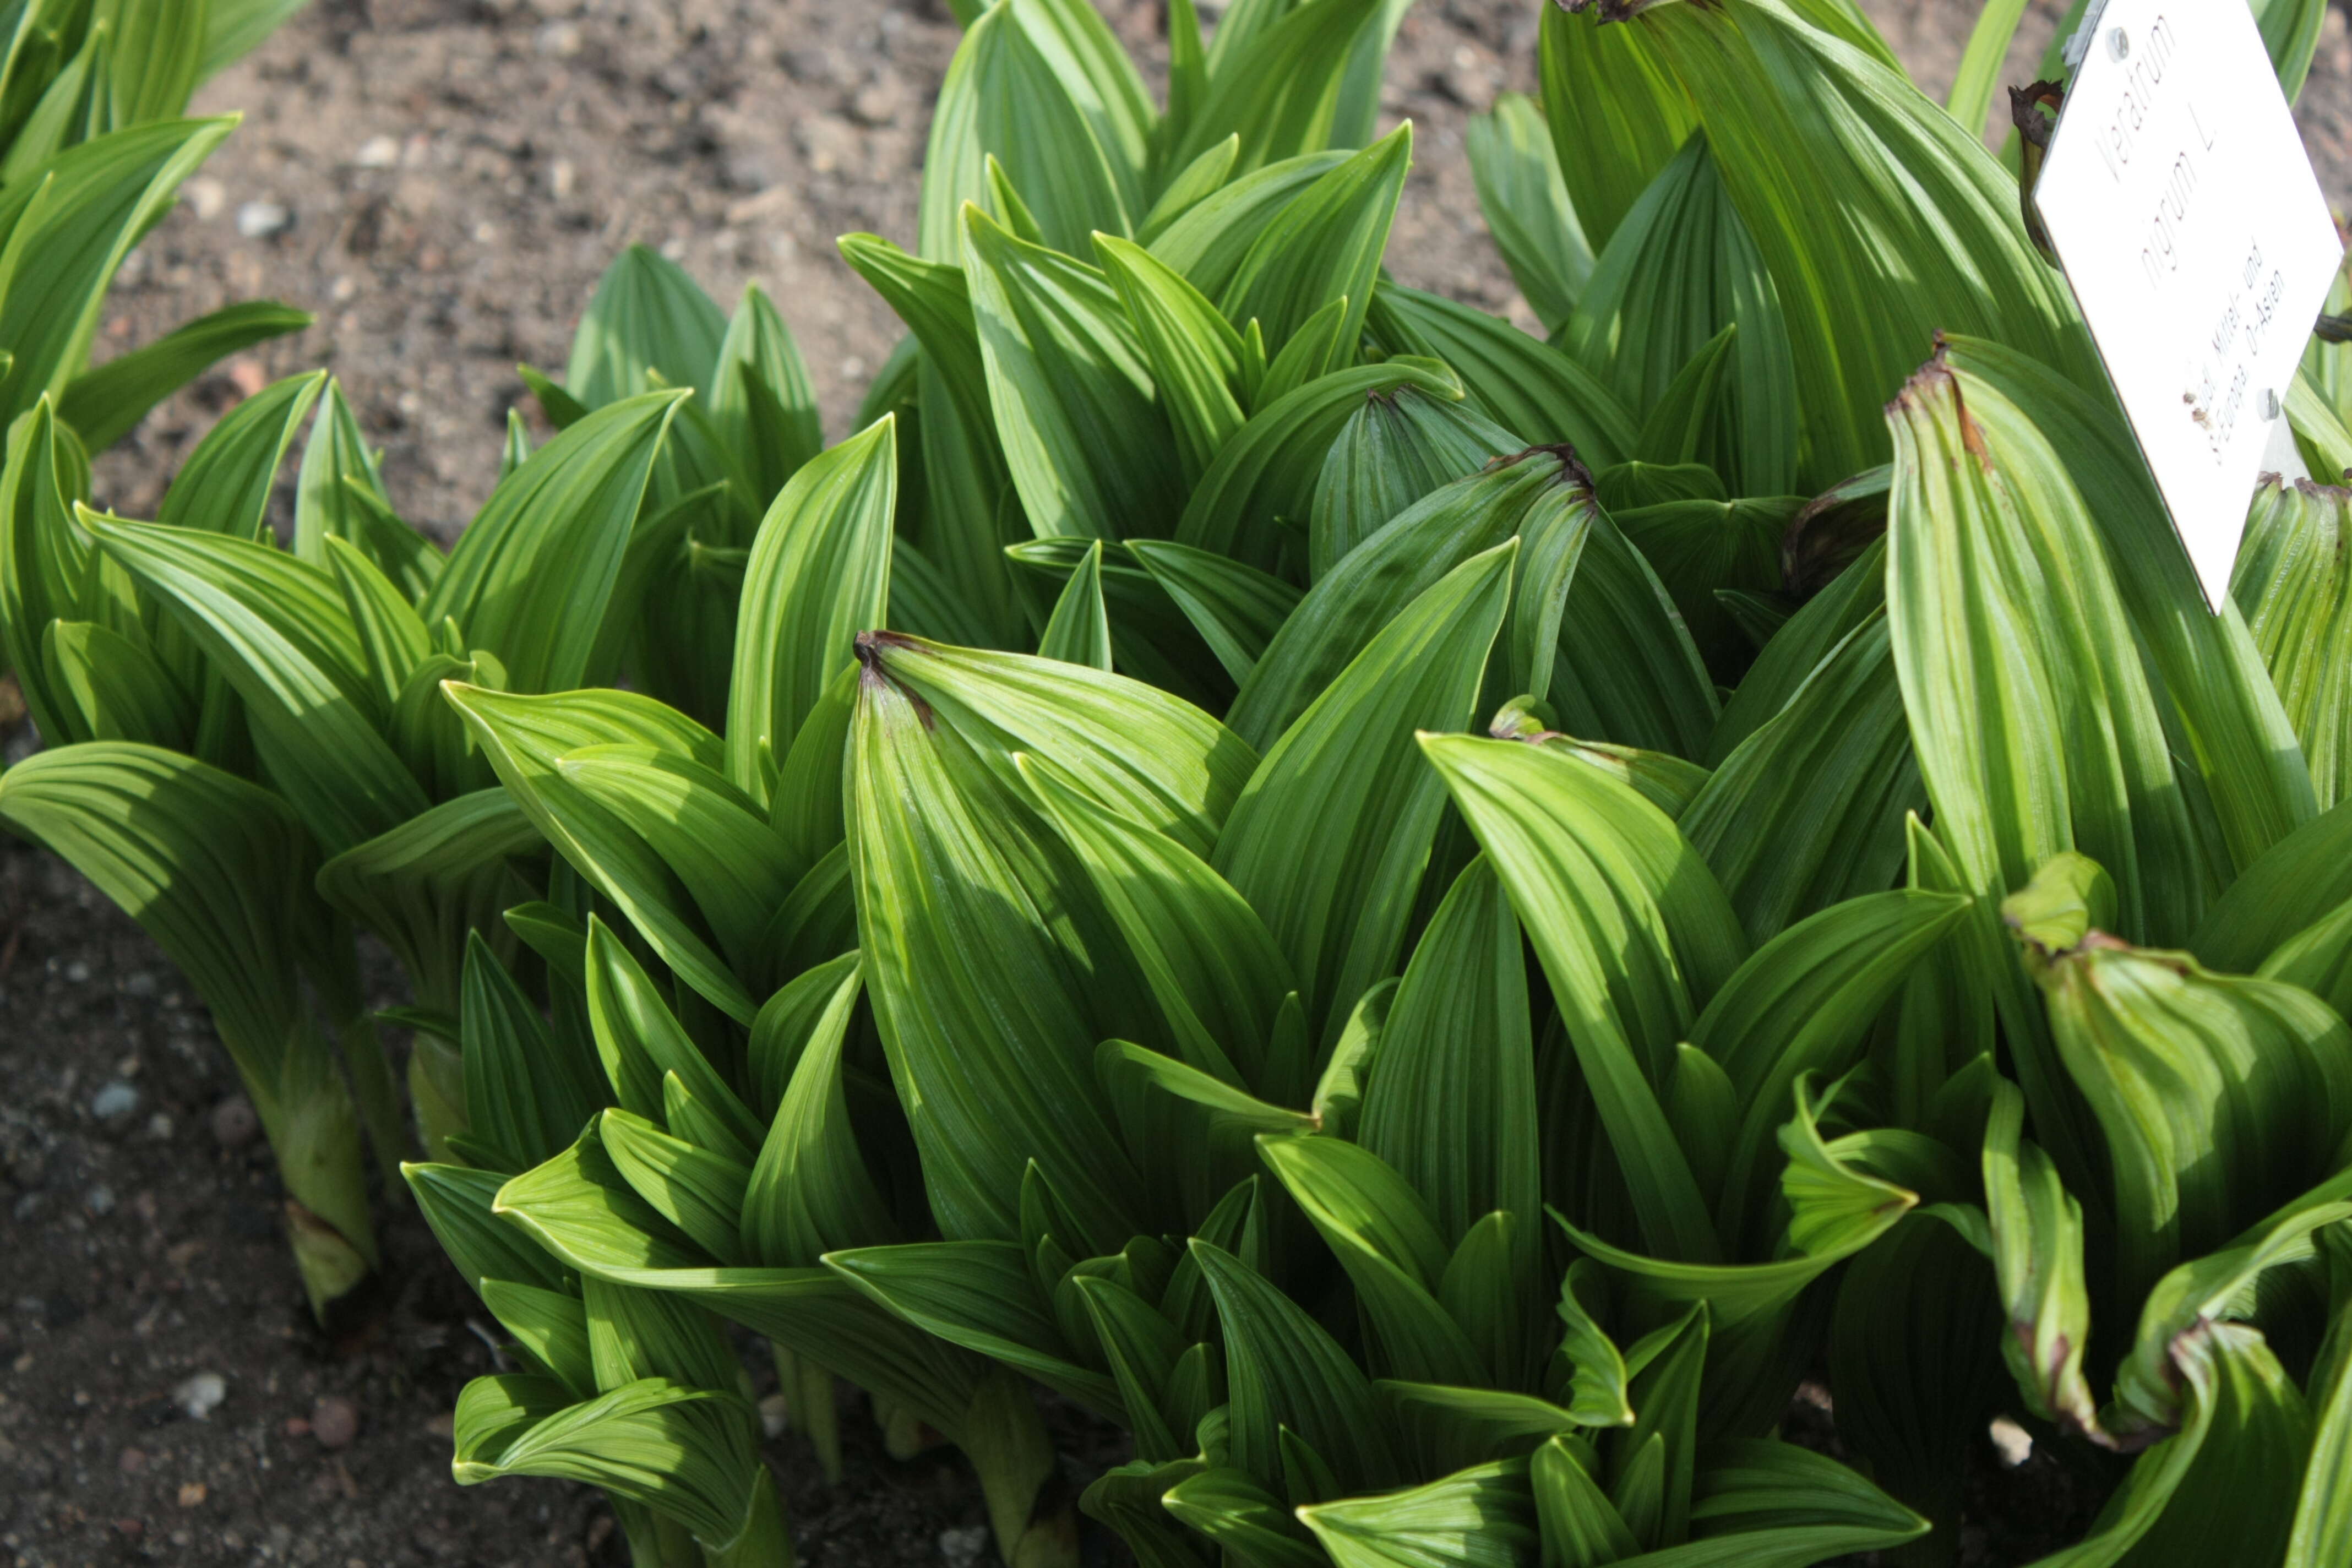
1086 442
1632 932
1330 839
1323 247
819 575
2294 581
1479 1518
1526 205
107 404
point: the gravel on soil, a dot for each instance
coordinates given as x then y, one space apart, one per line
442 182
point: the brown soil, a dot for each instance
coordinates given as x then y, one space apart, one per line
454 175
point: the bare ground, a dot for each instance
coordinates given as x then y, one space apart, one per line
441 182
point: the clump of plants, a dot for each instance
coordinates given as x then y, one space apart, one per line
1425 918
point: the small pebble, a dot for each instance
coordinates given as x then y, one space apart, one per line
192 1495
201 1395
159 1127
2013 1443
234 1123
259 220
130 1461
100 1199
775 1416
963 1548
141 985
116 1099
78 973
442 1425
377 152
207 197
335 1422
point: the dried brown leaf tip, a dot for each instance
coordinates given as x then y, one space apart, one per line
1616 10
1934 381
871 672
2025 106
1573 469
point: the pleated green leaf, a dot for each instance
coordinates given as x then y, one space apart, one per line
1914 1353
1207 241
1451 1100
1194 353
1804 1004
526 1095
225 486
648 315
1484 1516
1616 117
278 631
1635 936
1284 1370
696 1189
1385 1235
530 577
819 575
2221 1098
761 399
526 739
1212 967
107 404
1084 437
1701 549
982 1296
978 988
1795 651
1527 206
66 234
2225 1485
1809 810
684 1451
1268 472
455 1203
1365 591
2302 878
1881 220
2036 1229
1079 631
2323 1529
2232 728
1044 86
1141 753
641 1043
1680 271
1244 1519
811 1191
1281 83
2149 1387
1396 449
2029 711
1322 249
1236 608
1762 1504
2294 581
1329 841
1529 387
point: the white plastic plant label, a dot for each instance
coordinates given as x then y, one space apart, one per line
2179 196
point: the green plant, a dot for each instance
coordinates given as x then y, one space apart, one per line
92 148
316 673
1047 910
